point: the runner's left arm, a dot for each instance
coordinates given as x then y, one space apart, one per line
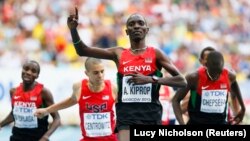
48 99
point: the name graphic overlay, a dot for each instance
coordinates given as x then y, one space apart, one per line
197 132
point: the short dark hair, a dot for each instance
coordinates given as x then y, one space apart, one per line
136 14
215 58
204 50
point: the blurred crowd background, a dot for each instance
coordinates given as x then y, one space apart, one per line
181 28
37 29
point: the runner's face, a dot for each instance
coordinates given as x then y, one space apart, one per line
30 72
96 73
204 59
136 28
215 70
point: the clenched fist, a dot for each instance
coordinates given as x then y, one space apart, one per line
41 112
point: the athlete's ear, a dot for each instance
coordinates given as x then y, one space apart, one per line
200 60
147 30
37 76
126 31
205 64
86 72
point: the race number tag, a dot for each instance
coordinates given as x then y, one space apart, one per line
97 124
136 93
213 101
24 115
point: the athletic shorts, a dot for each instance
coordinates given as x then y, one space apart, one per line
19 138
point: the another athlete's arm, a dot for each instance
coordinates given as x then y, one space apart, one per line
10 117
177 80
114 92
63 104
184 103
235 90
180 95
48 99
7 120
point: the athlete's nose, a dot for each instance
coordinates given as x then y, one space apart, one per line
100 74
137 25
28 71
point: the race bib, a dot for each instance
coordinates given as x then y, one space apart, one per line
97 124
213 101
24 117
136 93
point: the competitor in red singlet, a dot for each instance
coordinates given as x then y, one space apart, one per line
96 98
25 99
139 74
233 107
209 88
203 60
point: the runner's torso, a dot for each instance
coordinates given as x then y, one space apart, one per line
208 103
24 105
138 102
96 112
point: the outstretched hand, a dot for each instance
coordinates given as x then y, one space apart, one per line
73 19
41 112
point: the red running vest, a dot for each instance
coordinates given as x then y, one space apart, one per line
24 105
213 93
97 115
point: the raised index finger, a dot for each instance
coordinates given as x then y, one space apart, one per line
76 12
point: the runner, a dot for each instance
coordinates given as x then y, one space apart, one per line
25 99
139 74
95 97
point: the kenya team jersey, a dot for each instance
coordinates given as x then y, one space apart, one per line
138 102
208 103
97 114
24 105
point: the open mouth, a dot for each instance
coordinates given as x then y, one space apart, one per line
27 78
136 32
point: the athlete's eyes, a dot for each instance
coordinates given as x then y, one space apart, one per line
97 72
131 23
27 68
140 22
34 70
